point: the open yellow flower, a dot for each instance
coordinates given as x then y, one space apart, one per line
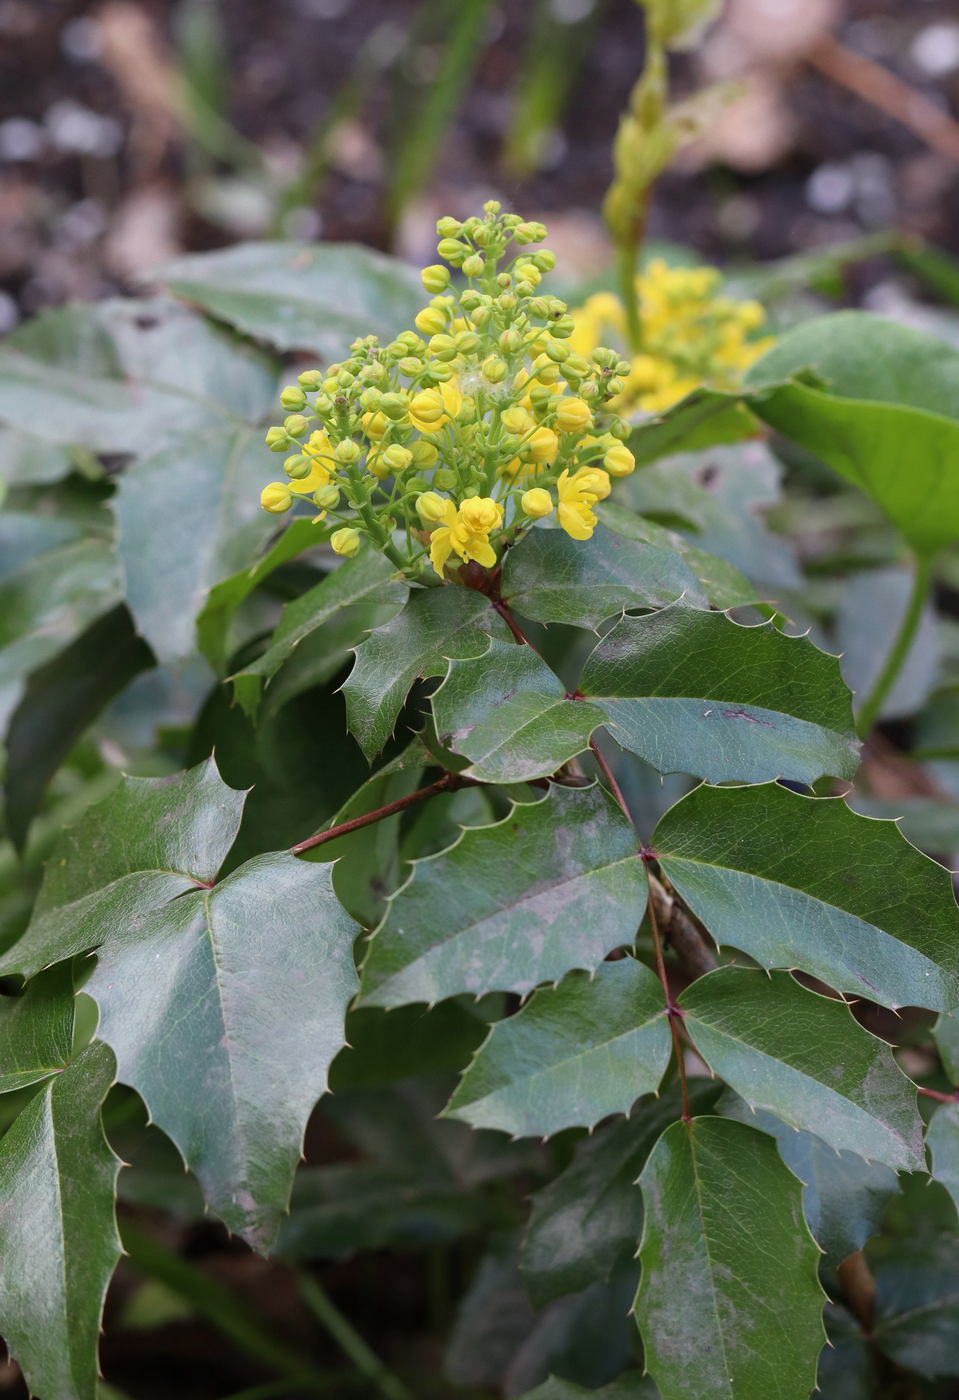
465 532
320 450
577 496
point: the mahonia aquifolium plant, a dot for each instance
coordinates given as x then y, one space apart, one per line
452 439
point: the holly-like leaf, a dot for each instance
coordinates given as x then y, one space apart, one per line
360 594
886 419
703 418
721 582
694 692
507 712
805 1058
804 882
572 1055
187 517
590 1216
36 1029
729 1303
225 1009
844 1197
549 577
555 886
917 1302
61 700
150 840
58 1236
942 1139
301 297
436 625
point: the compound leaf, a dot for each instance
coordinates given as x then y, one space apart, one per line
694 692
805 1058
729 1303
572 1055
554 886
436 625
507 712
58 1236
917 1302
773 874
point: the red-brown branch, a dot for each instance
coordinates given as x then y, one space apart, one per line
448 782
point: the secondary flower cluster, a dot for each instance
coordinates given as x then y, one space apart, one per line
454 437
691 335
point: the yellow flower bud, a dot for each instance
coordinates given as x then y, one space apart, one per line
432 508
347 452
435 278
528 272
543 445
517 420
276 498
296 425
374 425
277 439
495 369
573 415
397 458
326 497
293 398
345 542
424 453
430 320
537 502
619 461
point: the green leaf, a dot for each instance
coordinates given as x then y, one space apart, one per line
729 1303
150 840
58 1236
60 701
803 1057
255 975
694 692
507 712
770 873
888 421
555 886
942 1139
436 625
549 577
187 517
385 1046
844 1197
590 1216
572 1055
917 1302
223 599
301 297
871 610
360 594
49 602
722 583
36 1029
946 1035
703 418
340 1210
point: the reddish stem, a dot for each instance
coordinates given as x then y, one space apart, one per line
610 777
939 1097
449 782
673 1014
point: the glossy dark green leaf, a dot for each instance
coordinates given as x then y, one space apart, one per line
550 577
942 1140
917 1302
554 886
150 840
36 1029
721 582
702 419
188 516
507 712
729 1303
436 625
844 1197
255 977
847 1365
591 1214
886 420
694 692
60 701
58 1237
572 1055
769 872
385 1046
301 297
805 1058
360 594
946 1035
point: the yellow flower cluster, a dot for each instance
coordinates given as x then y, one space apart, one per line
448 442
691 335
